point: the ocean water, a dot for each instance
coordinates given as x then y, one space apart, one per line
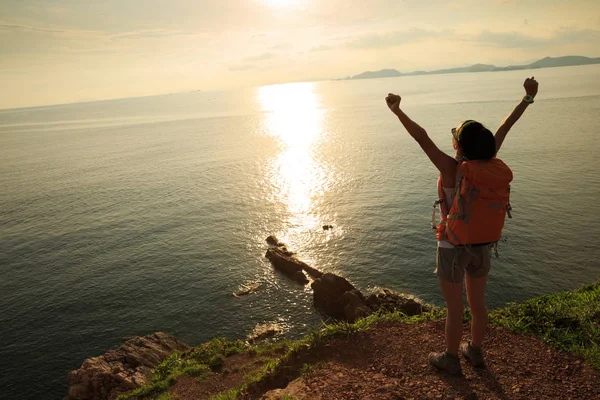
132 216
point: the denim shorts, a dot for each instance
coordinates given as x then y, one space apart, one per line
451 264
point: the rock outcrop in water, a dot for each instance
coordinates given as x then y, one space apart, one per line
390 300
338 298
333 295
263 332
246 289
119 371
286 262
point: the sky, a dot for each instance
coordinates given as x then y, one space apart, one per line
64 51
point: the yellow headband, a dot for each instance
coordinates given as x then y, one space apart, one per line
463 126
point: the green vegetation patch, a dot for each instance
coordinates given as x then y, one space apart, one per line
347 329
199 362
570 321
227 395
309 370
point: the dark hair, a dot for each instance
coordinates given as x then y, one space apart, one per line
476 141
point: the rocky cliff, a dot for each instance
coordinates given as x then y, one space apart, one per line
121 370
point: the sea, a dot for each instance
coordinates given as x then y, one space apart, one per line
126 217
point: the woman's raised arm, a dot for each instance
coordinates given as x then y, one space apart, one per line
531 89
443 162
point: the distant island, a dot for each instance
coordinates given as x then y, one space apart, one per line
548 62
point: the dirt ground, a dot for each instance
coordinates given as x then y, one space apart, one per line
390 362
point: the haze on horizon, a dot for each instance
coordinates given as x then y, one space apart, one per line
63 51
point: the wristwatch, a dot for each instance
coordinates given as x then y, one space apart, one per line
528 99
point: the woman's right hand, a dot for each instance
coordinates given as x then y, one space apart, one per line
393 102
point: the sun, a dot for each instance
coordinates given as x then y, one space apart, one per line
281 3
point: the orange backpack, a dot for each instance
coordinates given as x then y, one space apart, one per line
481 202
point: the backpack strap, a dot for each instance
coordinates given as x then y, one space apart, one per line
459 175
457 197
439 202
473 192
451 234
508 206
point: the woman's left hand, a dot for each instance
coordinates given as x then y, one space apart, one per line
393 102
531 86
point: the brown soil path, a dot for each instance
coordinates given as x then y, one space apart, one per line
390 362
235 367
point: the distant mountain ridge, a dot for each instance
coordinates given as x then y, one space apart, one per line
547 62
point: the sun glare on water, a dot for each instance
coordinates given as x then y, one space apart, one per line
294 117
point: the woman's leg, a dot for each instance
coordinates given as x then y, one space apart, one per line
476 297
450 273
454 314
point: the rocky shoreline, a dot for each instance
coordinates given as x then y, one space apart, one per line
121 370
130 366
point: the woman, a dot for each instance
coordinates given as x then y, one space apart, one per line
471 140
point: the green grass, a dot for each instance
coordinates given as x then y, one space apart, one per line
167 396
347 329
227 395
200 362
268 367
343 329
309 370
569 321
